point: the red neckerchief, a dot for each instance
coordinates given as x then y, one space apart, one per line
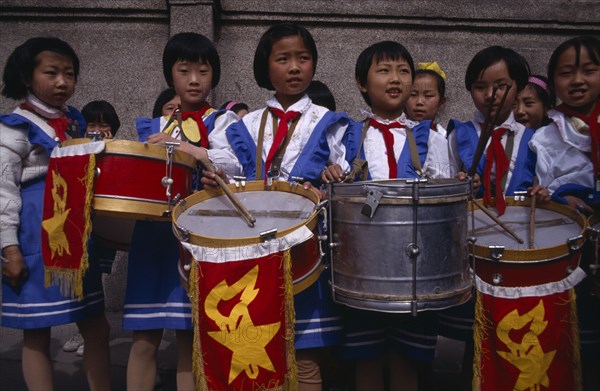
282 130
197 116
388 138
60 124
592 122
495 154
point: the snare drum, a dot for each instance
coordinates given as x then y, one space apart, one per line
208 222
592 254
131 183
558 238
400 245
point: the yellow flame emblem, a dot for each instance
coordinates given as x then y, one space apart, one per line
55 226
238 332
528 355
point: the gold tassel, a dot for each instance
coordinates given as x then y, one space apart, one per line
198 355
291 382
480 327
574 319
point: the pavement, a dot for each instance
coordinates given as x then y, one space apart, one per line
69 373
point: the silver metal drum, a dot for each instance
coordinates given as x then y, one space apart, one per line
399 245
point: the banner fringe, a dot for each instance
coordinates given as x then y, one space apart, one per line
576 346
290 320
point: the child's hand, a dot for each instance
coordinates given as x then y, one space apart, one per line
208 178
333 173
14 269
307 186
462 176
541 194
579 204
161 138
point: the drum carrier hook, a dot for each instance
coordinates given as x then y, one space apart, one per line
167 180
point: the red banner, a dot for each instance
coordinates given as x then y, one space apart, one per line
243 324
66 222
526 343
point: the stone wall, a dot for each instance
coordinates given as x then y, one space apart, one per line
120 43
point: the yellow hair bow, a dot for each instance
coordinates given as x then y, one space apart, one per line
433 66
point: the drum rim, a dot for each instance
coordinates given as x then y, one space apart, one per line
201 240
536 254
139 149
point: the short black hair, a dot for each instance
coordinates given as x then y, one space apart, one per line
439 80
191 47
390 50
22 61
321 95
101 111
165 96
518 68
265 45
235 106
592 45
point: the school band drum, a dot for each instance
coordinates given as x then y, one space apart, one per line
388 223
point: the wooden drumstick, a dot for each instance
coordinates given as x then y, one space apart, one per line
532 216
497 221
250 220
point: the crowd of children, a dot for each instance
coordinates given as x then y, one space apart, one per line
540 127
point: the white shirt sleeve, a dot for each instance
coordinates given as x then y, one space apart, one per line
220 153
337 149
437 163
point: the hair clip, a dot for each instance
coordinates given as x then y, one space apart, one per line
433 66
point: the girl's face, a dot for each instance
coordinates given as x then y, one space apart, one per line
99 126
424 101
529 108
168 107
577 86
482 88
290 69
389 83
192 82
53 79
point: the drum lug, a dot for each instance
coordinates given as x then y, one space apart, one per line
413 250
496 252
268 235
58 142
166 181
239 181
181 233
520 196
497 278
321 205
95 136
573 243
371 203
97 172
296 180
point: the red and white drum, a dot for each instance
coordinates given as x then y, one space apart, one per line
132 183
208 226
591 255
558 238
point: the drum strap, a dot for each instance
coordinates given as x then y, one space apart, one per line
510 144
414 153
276 165
360 167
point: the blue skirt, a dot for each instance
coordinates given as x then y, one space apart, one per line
155 298
33 305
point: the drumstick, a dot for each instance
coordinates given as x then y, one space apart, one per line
485 134
250 220
497 221
532 216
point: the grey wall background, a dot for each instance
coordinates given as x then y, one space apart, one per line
120 45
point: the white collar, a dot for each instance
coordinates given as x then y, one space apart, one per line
43 109
401 119
300 106
510 123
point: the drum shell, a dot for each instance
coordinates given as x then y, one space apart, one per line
591 256
371 268
128 186
306 256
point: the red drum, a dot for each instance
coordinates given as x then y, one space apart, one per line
208 221
500 260
132 183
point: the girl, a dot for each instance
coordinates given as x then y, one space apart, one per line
567 151
43 73
166 102
285 62
428 95
384 76
155 298
101 116
532 104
